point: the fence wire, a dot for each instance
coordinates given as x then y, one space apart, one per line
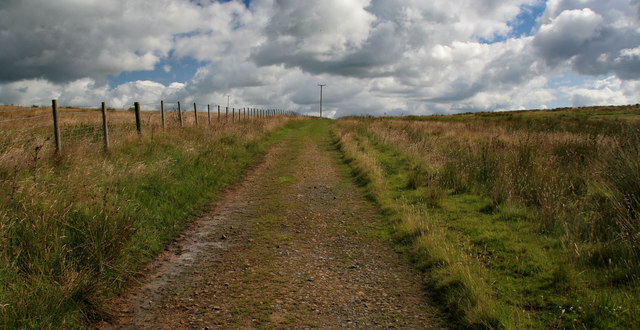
19 110
31 128
86 126
24 118
81 112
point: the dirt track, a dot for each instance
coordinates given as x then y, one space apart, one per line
293 245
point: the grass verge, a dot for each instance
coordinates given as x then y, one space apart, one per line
507 254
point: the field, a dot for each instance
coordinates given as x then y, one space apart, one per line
517 219
526 219
77 226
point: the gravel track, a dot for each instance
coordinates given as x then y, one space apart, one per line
292 246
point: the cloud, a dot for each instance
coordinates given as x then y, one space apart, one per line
28 92
591 36
607 91
66 40
376 56
567 35
87 92
327 28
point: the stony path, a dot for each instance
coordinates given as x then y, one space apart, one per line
292 246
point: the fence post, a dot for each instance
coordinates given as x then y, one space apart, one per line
218 112
226 115
137 110
233 114
195 112
162 112
209 113
104 127
56 127
180 114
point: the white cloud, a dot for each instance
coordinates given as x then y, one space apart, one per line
567 35
29 92
66 40
588 35
376 56
325 29
606 91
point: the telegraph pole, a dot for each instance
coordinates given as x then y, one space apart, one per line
321 85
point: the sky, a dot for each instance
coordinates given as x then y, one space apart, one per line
376 57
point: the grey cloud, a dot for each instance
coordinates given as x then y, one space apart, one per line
378 56
567 35
460 89
381 50
324 38
589 37
62 41
511 68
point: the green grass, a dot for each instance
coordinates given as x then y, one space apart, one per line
512 225
75 228
593 120
286 179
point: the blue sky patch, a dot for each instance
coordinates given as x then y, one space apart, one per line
522 25
169 70
525 22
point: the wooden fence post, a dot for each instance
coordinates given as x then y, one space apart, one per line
162 112
233 114
226 115
180 114
195 112
105 129
209 113
56 127
137 111
218 112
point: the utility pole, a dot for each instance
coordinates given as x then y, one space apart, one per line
321 85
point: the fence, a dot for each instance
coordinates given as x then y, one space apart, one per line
66 126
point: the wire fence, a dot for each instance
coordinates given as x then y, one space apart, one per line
24 127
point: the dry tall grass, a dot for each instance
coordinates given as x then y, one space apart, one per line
572 174
76 226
